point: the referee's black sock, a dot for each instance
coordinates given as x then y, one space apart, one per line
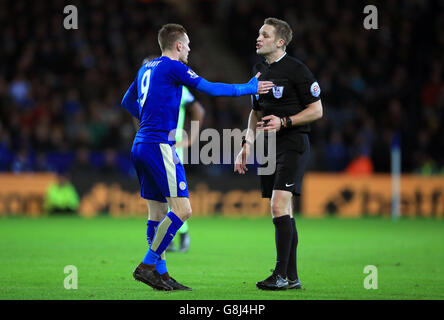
292 271
283 237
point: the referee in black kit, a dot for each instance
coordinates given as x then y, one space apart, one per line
288 109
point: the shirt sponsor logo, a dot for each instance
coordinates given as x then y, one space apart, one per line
315 89
278 91
192 74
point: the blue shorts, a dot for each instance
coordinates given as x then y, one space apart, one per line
160 172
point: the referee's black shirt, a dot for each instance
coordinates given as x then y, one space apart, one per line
295 88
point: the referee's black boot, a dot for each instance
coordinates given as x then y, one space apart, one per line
294 284
273 282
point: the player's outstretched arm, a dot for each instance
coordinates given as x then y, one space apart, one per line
254 86
183 75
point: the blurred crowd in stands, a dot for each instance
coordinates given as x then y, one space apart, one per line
60 90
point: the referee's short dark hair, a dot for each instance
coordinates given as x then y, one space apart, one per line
283 30
169 34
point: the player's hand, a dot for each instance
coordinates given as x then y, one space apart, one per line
263 86
240 164
269 123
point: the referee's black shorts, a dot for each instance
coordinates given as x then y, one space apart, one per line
291 162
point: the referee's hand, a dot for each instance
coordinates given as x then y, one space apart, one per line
240 164
269 123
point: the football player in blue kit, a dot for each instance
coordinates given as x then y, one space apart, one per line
154 98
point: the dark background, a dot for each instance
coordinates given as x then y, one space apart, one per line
60 90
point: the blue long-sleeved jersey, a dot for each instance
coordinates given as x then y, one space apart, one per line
154 96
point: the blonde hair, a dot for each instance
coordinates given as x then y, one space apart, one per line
282 29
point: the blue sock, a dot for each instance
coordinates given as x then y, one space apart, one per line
165 232
161 266
151 257
150 231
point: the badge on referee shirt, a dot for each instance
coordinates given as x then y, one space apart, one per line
315 89
278 91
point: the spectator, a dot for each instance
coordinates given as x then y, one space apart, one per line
82 164
335 153
110 165
22 162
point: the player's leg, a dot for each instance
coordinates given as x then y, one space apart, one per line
184 237
146 272
174 188
180 211
184 230
184 234
166 230
184 240
157 211
172 185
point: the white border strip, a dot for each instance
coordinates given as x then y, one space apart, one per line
170 167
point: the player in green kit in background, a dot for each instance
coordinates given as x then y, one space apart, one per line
188 102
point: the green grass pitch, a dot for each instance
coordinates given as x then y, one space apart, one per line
227 257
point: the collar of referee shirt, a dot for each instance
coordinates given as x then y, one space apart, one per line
277 60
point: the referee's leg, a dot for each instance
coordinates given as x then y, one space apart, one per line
292 271
281 213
